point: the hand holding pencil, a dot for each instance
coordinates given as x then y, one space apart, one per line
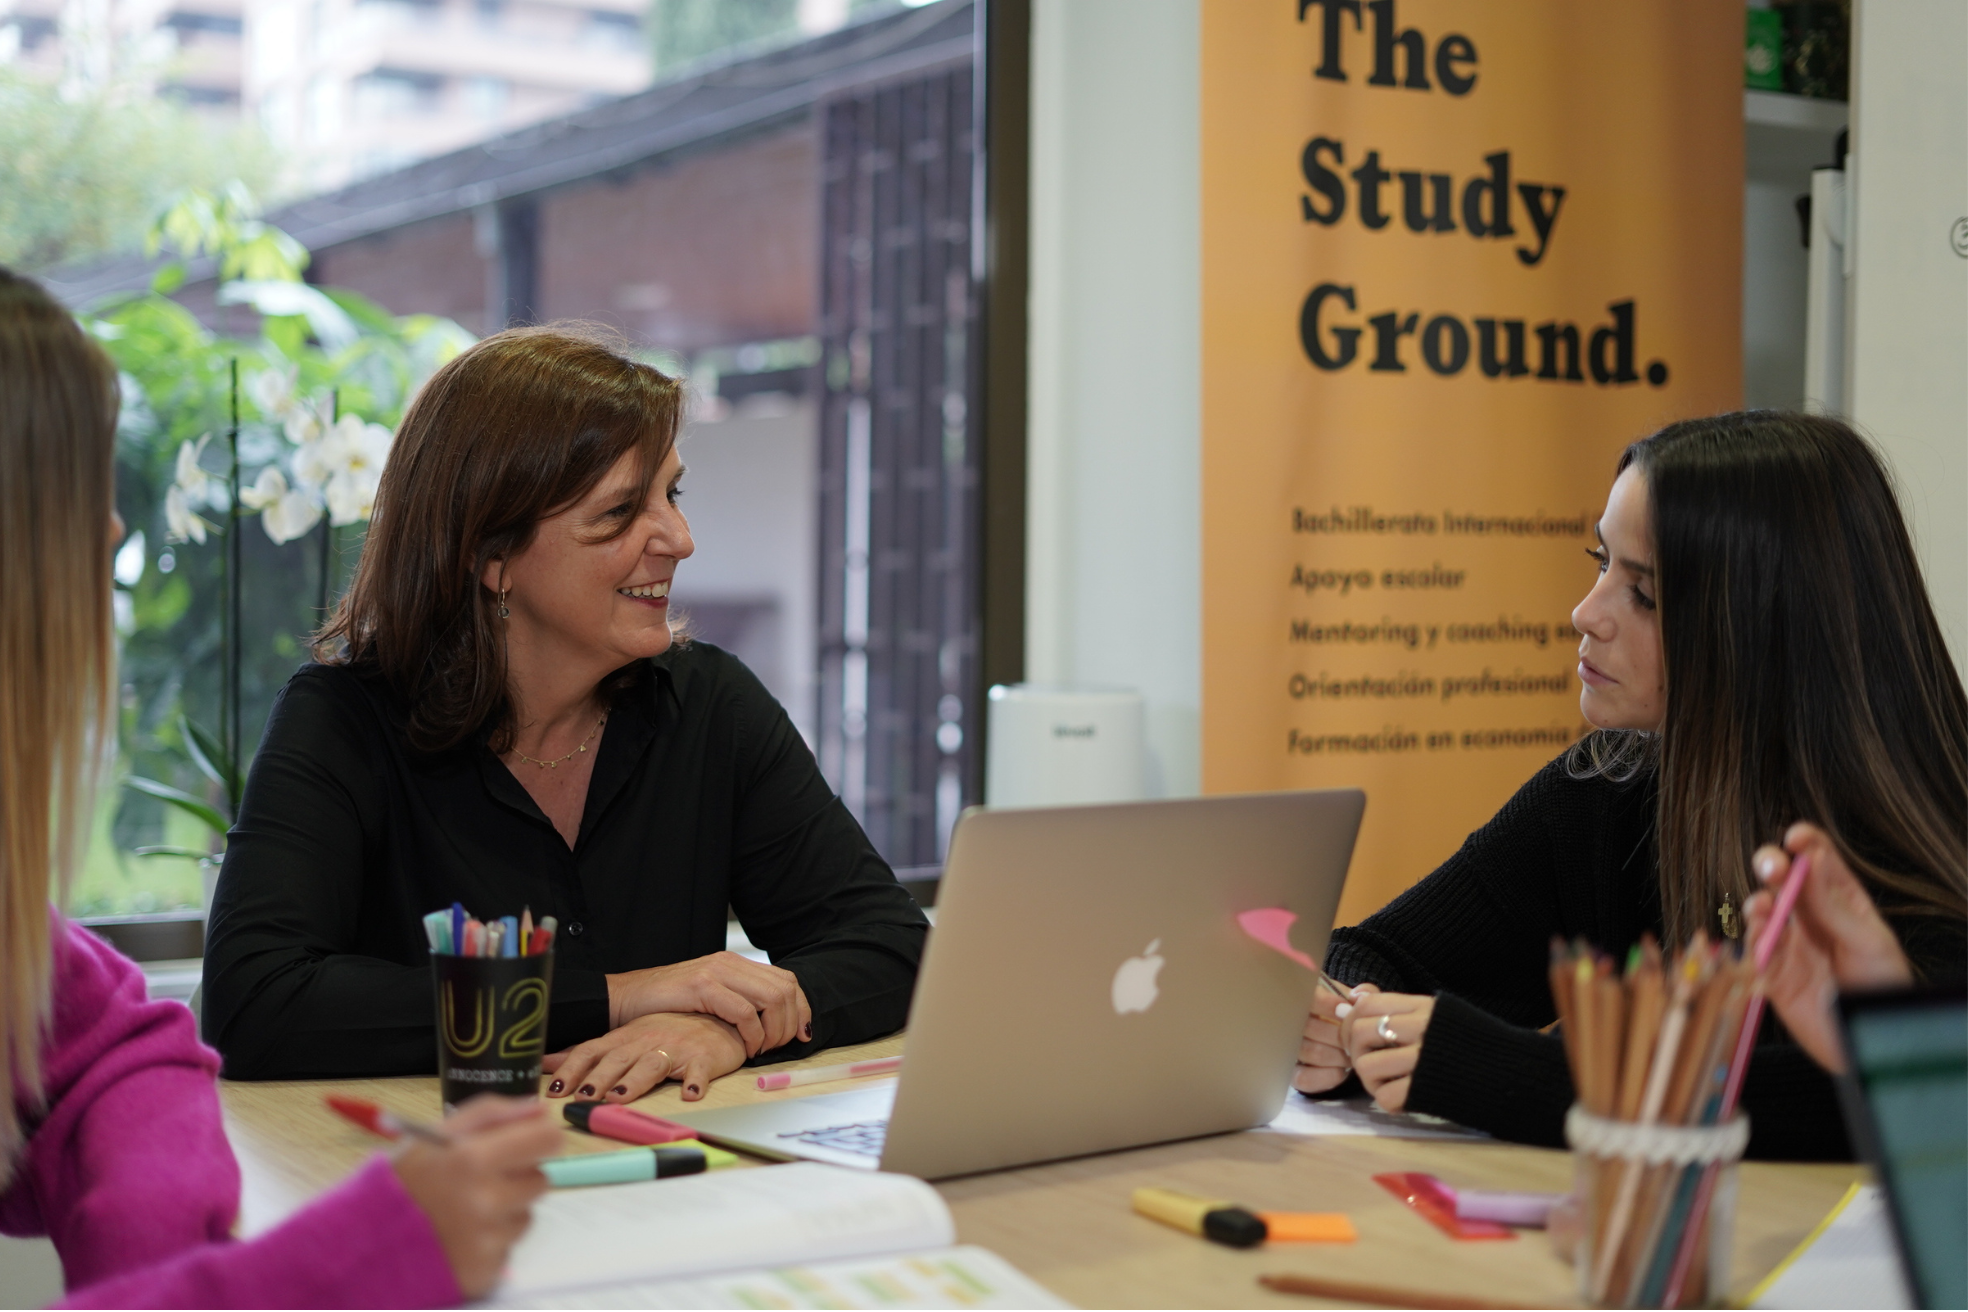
1837 941
1323 1062
476 1177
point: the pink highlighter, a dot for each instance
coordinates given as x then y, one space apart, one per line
624 1123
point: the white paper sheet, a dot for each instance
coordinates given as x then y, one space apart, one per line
967 1277
1854 1263
722 1221
1359 1116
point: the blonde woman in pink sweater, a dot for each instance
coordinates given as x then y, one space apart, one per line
111 1144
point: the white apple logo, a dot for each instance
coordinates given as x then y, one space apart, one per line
1134 983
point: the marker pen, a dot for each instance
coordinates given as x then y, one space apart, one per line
1213 1218
622 1167
624 1123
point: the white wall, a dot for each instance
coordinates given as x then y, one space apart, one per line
751 495
1784 138
1908 296
1114 498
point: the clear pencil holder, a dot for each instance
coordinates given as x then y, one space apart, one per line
1659 1210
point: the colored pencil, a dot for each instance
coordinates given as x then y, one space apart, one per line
1652 1044
1350 1291
1745 1048
852 1070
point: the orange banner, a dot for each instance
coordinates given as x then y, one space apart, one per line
1456 254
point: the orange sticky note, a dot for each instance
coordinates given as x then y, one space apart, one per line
1309 1227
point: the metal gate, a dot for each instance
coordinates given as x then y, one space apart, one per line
899 618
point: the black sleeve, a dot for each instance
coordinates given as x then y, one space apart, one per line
1480 926
811 890
1513 1083
283 995
1504 1079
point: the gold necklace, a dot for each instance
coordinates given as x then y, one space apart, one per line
562 760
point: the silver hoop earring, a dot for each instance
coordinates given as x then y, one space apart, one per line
504 614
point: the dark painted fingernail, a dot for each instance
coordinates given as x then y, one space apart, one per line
806 1032
620 1090
693 1090
587 1091
556 1087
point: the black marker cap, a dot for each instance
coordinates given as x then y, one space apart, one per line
577 1114
1235 1227
688 1161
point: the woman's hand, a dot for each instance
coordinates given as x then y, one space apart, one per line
1837 940
1323 1064
1383 1033
632 1059
764 1003
478 1190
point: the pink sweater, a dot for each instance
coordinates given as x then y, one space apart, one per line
128 1170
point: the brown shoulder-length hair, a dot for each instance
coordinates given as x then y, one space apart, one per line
1807 677
58 403
517 428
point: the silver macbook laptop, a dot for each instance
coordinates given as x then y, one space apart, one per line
1087 988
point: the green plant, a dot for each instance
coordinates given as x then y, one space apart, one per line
283 412
84 165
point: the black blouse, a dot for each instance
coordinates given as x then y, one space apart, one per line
1573 858
703 798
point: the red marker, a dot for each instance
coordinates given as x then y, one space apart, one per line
624 1123
373 1118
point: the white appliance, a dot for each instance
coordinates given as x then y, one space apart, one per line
1060 746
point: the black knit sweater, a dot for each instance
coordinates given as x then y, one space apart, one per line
1571 857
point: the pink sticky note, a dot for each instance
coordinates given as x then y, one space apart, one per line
1271 926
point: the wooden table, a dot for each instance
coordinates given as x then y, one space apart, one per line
1068 1225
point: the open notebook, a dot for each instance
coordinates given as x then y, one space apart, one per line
722 1238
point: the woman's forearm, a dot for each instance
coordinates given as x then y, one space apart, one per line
280 1013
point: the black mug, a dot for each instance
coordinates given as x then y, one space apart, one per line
491 1024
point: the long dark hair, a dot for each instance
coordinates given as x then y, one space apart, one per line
513 430
1807 678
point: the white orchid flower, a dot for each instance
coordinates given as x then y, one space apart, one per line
306 422
190 475
314 461
272 390
182 524
359 451
192 488
286 513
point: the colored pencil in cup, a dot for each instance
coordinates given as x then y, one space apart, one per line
852 1070
1752 1021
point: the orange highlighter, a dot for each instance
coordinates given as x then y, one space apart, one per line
1309 1227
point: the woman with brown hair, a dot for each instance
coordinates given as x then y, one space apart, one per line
502 718
112 1143
1759 650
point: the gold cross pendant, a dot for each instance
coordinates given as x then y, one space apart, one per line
1731 922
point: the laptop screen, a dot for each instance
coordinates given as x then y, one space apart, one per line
1909 1057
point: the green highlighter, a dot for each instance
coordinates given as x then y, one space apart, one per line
629 1165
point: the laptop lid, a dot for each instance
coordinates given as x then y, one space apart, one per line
1087 986
1906 1103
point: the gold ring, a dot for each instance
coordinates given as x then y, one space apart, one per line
666 1057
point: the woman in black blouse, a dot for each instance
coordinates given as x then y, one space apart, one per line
501 718
1759 650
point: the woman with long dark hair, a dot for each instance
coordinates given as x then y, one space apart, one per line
502 717
1759 651
111 1143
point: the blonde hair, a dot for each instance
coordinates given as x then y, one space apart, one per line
58 405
